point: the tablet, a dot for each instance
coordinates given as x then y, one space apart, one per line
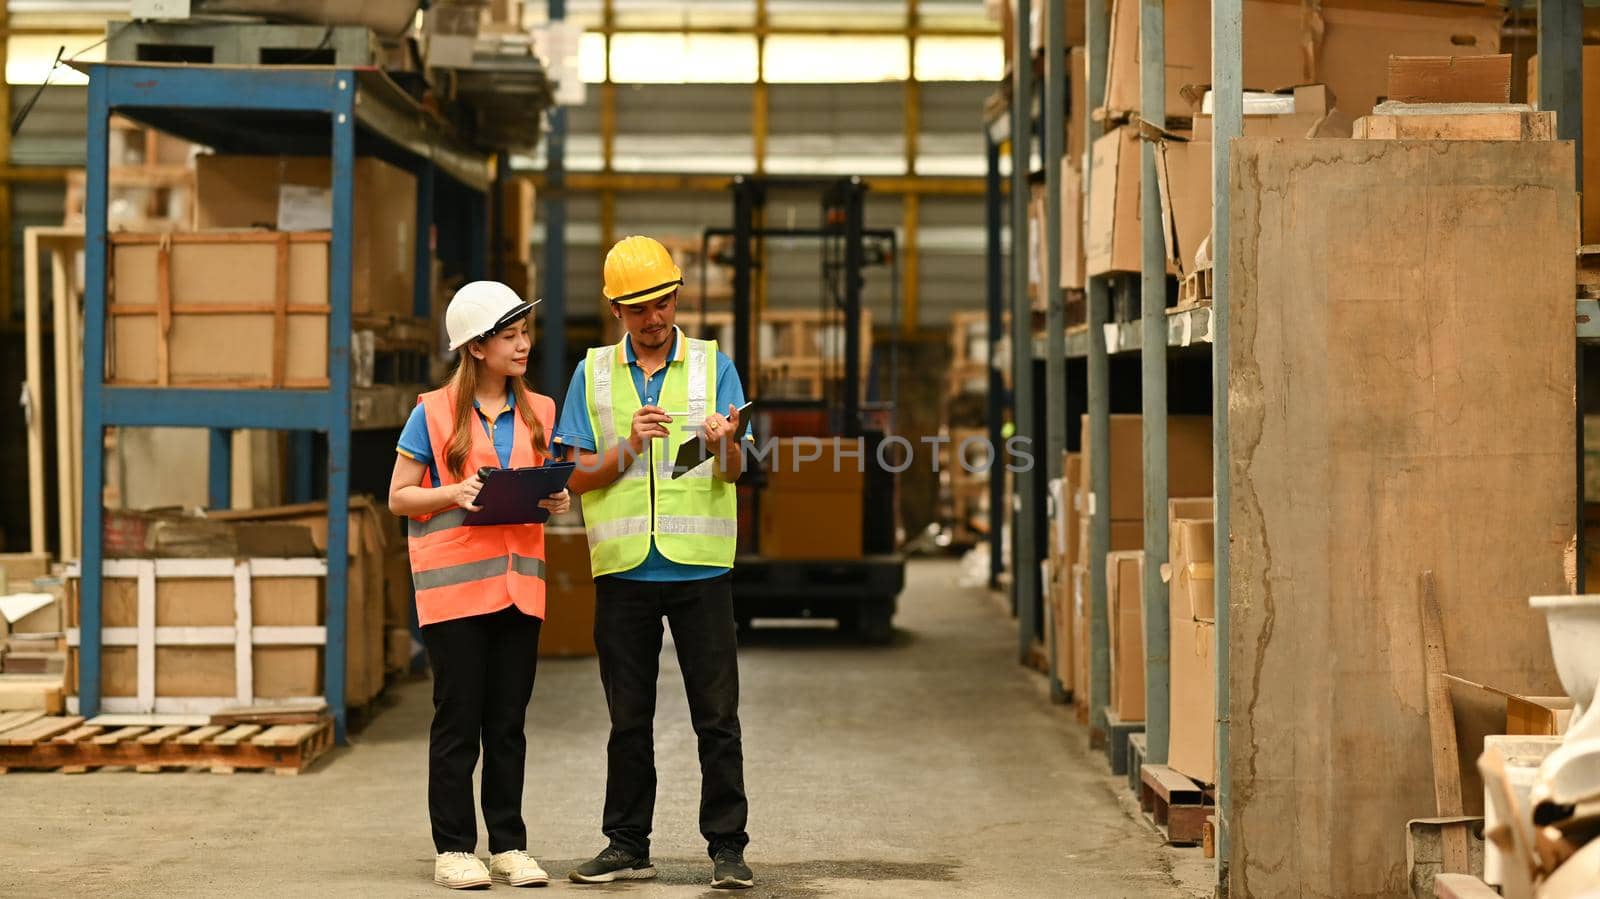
512 495
693 452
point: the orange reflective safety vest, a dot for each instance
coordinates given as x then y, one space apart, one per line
460 570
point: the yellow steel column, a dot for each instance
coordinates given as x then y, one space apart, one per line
910 203
5 160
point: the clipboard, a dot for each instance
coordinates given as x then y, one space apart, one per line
693 452
511 495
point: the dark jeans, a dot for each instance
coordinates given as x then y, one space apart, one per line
627 634
483 670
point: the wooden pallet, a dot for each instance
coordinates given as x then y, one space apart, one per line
1175 803
40 742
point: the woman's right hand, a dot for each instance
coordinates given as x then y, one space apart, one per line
649 422
465 493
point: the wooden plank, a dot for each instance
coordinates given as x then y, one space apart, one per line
1450 79
285 734
1172 787
200 735
280 314
164 314
79 734
1378 376
162 734
1442 729
118 735
39 731
237 734
149 720
12 720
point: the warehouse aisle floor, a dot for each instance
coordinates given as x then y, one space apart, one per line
930 768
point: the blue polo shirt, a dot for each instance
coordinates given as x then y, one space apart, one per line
574 430
414 443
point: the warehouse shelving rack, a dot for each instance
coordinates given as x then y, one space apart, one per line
287 110
1159 333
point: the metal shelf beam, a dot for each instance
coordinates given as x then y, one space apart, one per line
185 96
1153 380
1024 549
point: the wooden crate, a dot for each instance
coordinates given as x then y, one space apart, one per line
188 636
230 309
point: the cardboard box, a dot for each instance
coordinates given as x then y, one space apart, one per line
1183 175
248 192
1111 235
1351 41
1516 125
203 349
1450 79
1124 586
1078 107
1125 535
800 523
1080 631
1203 508
1193 546
1538 716
1315 115
1188 461
1072 249
1193 703
30 615
398 652
1060 599
568 629
814 463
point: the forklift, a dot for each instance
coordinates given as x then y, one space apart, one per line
858 589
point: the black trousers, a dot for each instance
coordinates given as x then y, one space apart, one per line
627 635
483 670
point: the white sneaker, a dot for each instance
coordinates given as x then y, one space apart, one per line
517 869
460 871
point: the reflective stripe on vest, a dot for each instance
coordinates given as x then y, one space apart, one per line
460 570
696 514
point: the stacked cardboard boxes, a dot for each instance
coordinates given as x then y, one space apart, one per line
1125 623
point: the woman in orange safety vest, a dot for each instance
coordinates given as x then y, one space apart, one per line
480 589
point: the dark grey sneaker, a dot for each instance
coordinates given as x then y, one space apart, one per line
729 872
611 865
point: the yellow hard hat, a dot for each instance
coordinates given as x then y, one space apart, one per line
638 270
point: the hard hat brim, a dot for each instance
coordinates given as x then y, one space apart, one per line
645 296
517 313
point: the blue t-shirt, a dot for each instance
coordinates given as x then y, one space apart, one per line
414 442
574 430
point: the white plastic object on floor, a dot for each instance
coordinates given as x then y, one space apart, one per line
1571 774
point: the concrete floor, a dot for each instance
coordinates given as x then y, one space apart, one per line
935 767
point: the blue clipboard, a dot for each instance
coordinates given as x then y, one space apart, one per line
512 495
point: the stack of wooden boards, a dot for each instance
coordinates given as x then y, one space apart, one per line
1391 412
280 739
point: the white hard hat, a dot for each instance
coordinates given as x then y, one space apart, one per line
481 308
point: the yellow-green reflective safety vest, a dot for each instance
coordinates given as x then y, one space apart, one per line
693 518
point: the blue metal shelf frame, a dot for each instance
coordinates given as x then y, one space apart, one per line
298 90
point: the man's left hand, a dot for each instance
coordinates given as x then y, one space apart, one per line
719 429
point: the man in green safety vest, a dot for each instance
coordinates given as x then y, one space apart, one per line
660 547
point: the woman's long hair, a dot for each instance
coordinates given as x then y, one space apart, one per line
465 384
